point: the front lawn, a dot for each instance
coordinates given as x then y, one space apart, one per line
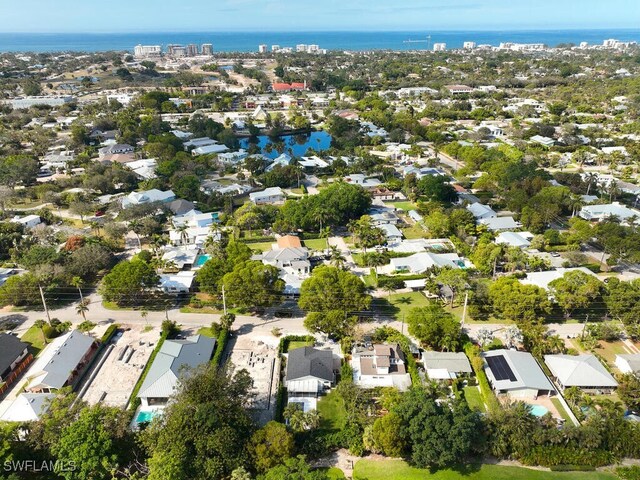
399 304
413 232
399 470
35 337
261 246
406 206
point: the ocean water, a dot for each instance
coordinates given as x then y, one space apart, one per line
249 41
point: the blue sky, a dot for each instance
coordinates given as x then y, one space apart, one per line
318 15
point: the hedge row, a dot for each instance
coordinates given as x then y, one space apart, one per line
563 456
221 343
109 333
473 352
134 401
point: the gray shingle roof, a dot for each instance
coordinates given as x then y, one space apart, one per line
308 361
10 348
174 355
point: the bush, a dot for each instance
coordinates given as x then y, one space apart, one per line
221 343
109 332
567 456
572 468
169 328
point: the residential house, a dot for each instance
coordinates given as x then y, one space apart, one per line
116 149
445 365
163 377
628 363
602 212
199 142
28 221
514 239
283 160
363 181
544 141
543 279
480 211
14 357
516 374
421 262
384 194
181 257
380 366
582 371
61 363
498 224
27 407
233 158
269 196
391 233
180 206
177 283
293 263
209 149
148 196
310 372
145 169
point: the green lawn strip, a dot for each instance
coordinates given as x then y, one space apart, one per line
474 398
406 206
399 304
35 338
315 244
561 410
399 470
332 413
262 246
413 232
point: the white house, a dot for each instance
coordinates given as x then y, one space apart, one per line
543 279
545 141
445 365
28 221
515 239
392 233
628 363
209 149
180 282
602 212
582 371
148 196
363 181
420 262
269 196
497 224
380 366
480 211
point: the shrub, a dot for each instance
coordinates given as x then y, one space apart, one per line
109 332
221 343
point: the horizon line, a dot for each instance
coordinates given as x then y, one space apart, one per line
307 31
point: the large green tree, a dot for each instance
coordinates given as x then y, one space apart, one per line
575 290
253 284
271 446
128 282
435 327
205 430
512 300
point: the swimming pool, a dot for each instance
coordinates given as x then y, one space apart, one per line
145 416
201 260
538 410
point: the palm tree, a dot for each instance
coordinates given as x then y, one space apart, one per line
591 179
336 257
82 308
77 282
325 233
182 230
41 324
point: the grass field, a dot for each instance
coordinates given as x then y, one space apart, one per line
399 470
332 413
298 344
316 244
609 350
35 337
406 206
561 410
474 399
399 304
261 246
415 231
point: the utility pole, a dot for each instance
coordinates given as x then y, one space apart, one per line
224 301
44 304
464 309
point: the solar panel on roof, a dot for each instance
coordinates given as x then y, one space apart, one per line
500 368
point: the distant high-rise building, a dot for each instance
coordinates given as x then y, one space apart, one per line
301 47
262 48
207 49
313 48
275 48
584 44
147 50
439 47
176 51
192 50
469 45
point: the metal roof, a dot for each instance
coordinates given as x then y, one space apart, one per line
526 370
579 371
